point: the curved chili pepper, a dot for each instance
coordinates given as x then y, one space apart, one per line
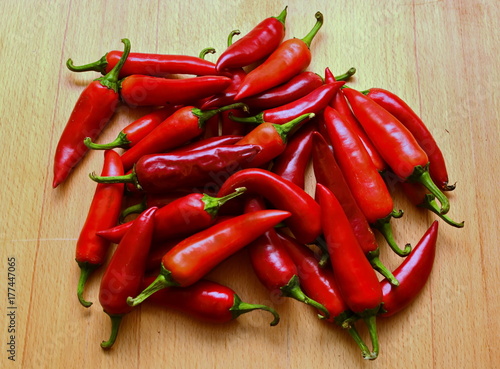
412 274
197 255
159 65
125 271
402 111
328 173
257 44
289 59
319 283
273 266
93 110
314 102
367 185
182 217
283 194
357 281
135 131
206 301
142 90
185 124
419 196
91 250
157 173
395 143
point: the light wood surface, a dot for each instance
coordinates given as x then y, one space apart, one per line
440 56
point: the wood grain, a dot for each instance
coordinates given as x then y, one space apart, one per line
440 56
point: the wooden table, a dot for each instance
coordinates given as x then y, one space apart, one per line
440 56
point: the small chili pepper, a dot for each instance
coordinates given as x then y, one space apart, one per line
91 250
135 131
207 143
366 184
185 124
93 110
356 279
191 259
402 111
319 283
412 274
328 173
206 301
273 266
289 59
125 271
159 65
157 173
182 217
419 196
257 44
395 143
283 194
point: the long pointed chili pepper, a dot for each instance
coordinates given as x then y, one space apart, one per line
206 301
412 274
395 143
304 222
319 283
366 184
125 271
194 257
402 111
91 250
356 279
289 59
328 173
93 110
273 265
183 125
257 44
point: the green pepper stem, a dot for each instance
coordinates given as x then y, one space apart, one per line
110 80
371 322
204 115
421 175
325 256
292 289
213 204
116 319
309 37
85 270
126 178
204 52
346 75
365 351
284 130
430 203
256 119
239 307
97 66
384 227
373 257
282 16
163 280
120 141
231 35
133 209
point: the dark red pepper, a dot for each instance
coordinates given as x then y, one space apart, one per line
93 110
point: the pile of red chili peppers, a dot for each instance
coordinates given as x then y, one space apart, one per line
219 164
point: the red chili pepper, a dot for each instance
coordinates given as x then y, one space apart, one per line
289 59
142 90
283 194
185 124
207 301
125 271
395 143
160 65
135 131
412 274
208 143
402 111
91 250
181 217
229 126
93 110
319 283
191 259
257 44
366 184
355 277
157 173
273 265
328 173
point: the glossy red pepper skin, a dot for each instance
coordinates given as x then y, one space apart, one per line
141 90
191 259
405 114
289 59
159 65
124 273
226 97
230 127
208 143
92 250
304 222
412 274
